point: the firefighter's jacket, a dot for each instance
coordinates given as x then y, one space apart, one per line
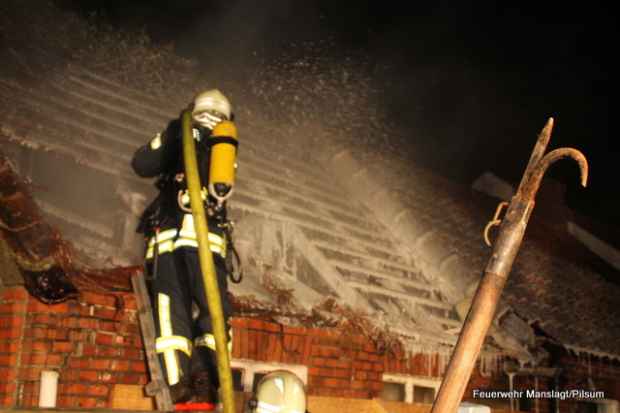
170 212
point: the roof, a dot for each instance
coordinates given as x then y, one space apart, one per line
444 222
315 248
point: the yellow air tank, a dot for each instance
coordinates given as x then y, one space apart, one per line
224 144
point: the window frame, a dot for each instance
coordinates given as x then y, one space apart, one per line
409 381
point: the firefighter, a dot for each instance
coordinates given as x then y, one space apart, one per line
185 341
279 391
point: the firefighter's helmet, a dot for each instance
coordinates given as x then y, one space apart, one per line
210 108
279 391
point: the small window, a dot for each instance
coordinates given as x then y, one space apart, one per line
394 392
410 389
257 378
237 376
423 394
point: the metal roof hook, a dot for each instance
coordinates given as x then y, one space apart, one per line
505 249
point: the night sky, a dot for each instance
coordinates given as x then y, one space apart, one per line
475 83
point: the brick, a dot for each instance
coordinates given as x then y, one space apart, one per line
11 321
30 373
130 302
137 342
239 323
76 335
13 308
375 376
256 324
236 352
278 348
88 323
299 331
100 390
120 365
35 345
375 385
333 382
105 339
362 355
326 351
338 363
78 363
245 348
89 350
107 377
318 361
139 366
8 359
62 347
103 313
36 333
9 346
359 384
272 327
89 297
359 394
86 402
359 365
99 364
88 375
7 388
133 354
28 358
271 347
132 378
7 374
307 349
262 344
75 388
314 371
57 334
337 373
108 351
65 401
298 344
14 294
252 344
70 322
110 326
287 343
9 334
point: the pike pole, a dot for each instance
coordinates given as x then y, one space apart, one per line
505 250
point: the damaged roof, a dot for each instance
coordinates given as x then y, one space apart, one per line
313 249
556 285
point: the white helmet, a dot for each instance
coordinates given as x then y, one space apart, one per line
280 391
210 108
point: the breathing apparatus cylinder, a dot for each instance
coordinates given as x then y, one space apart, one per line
222 167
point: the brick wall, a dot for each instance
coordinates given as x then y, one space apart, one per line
93 342
338 364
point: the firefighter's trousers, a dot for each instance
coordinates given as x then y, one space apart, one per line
185 343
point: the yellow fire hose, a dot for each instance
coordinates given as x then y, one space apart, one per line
208 267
